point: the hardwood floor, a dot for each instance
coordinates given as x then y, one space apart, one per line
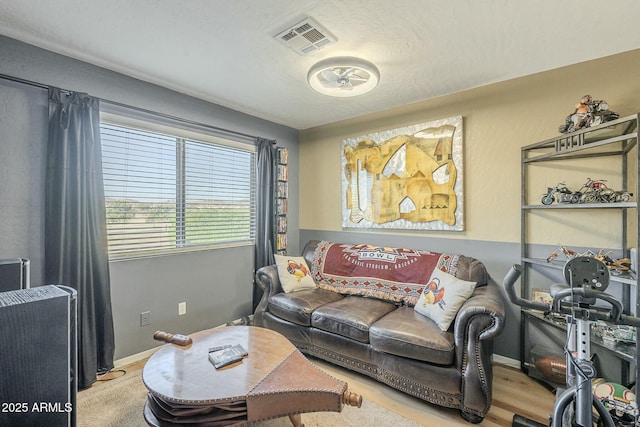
513 393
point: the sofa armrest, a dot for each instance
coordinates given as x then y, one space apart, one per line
486 305
480 319
268 281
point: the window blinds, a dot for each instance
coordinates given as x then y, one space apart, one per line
167 193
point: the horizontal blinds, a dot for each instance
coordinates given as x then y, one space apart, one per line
166 193
218 193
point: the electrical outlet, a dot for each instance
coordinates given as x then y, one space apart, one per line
145 318
182 308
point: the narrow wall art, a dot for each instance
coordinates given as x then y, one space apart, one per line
406 178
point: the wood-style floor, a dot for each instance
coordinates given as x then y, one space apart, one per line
513 393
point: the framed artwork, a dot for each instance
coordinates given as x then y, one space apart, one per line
541 295
405 178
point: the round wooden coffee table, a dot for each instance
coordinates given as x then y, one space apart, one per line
273 381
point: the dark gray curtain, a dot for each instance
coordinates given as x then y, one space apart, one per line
266 215
75 225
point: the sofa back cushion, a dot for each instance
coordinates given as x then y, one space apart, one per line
392 274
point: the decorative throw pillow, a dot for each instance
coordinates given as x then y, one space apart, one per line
442 298
293 273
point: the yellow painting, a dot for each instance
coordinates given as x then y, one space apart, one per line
409 178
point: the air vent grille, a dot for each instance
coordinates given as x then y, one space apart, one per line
303 28
305 37
314 36
289 35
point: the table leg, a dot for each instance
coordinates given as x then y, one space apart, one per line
296 420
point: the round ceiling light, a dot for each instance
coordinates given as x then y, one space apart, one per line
343 77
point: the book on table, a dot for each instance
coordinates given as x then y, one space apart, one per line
226 355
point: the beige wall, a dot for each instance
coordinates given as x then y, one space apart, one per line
498 120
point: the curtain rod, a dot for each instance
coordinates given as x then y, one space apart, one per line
142 110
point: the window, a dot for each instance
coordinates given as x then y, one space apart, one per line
167 193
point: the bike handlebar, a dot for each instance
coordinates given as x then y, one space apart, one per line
613 315
509 285
625 319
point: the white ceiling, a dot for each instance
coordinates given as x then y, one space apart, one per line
223 51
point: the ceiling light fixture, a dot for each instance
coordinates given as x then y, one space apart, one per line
343 77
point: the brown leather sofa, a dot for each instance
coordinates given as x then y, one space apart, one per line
391 342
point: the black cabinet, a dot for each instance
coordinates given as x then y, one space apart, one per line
38 384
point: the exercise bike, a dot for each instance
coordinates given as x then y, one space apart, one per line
586 279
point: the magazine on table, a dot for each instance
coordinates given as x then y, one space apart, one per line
226 355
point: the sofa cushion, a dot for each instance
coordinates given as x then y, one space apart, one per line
392 274
406 333
442 298
296 307
351 316
293 273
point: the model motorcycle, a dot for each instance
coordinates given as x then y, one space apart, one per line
595 191
560 193
598 192
588 112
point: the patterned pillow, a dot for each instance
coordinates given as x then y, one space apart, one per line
293 273
442 298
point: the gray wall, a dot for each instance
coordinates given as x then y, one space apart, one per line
216 284
23 127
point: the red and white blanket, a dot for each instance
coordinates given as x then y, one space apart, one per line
393 274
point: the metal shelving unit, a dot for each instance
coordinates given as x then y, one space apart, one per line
616 139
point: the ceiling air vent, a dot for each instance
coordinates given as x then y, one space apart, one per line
306 37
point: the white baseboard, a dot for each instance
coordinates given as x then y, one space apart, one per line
147 353
134 358
507 361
